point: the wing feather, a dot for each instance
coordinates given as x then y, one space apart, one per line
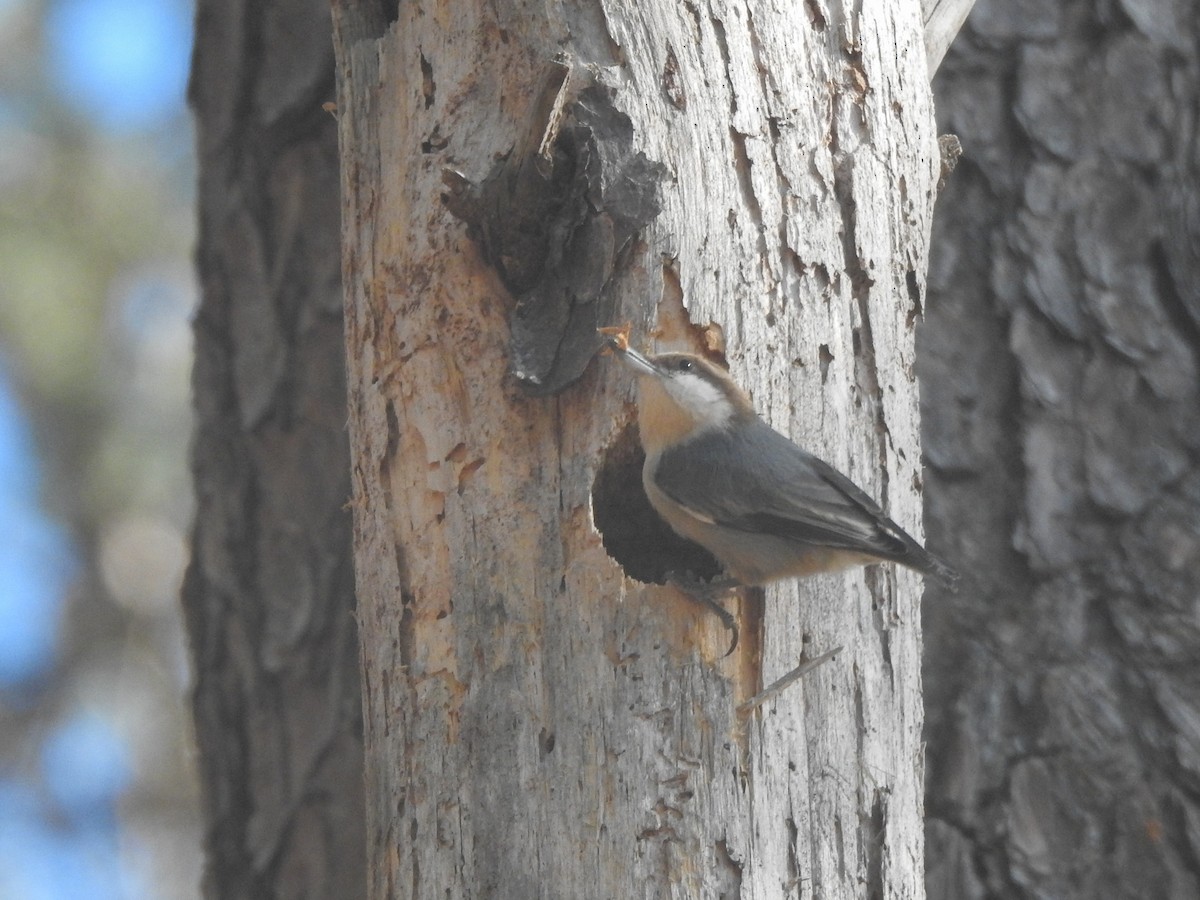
755 480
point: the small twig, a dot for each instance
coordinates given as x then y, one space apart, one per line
560 84
777 688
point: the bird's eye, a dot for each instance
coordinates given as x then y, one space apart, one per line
685 365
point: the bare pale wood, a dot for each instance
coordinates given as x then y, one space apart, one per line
537 724
943 20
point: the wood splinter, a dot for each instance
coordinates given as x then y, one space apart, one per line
616 336
780 684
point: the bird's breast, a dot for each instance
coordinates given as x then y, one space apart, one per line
662 422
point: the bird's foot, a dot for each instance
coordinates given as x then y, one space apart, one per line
706 593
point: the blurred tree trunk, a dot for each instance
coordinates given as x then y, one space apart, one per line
1062 423
269 596
541 720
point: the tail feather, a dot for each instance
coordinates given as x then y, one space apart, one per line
928 564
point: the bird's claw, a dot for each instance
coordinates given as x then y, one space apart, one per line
706 593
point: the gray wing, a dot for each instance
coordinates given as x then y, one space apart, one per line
754 479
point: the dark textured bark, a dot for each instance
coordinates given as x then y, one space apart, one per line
269 596
1062 416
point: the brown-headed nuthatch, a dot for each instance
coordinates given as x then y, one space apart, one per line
766 509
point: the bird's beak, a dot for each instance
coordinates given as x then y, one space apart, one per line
634 360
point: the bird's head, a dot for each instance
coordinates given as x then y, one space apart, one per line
681 396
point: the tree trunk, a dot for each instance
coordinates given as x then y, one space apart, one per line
1063 430
269 594
542 720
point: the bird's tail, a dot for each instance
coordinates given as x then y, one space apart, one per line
941 572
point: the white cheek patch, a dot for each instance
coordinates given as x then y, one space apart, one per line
700 397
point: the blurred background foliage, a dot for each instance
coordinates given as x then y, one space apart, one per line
97 792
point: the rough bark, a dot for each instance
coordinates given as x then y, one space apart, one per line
1062 415
538 724
269 594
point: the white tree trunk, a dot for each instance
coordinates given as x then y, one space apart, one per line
537 723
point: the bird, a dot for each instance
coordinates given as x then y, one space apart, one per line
764 507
